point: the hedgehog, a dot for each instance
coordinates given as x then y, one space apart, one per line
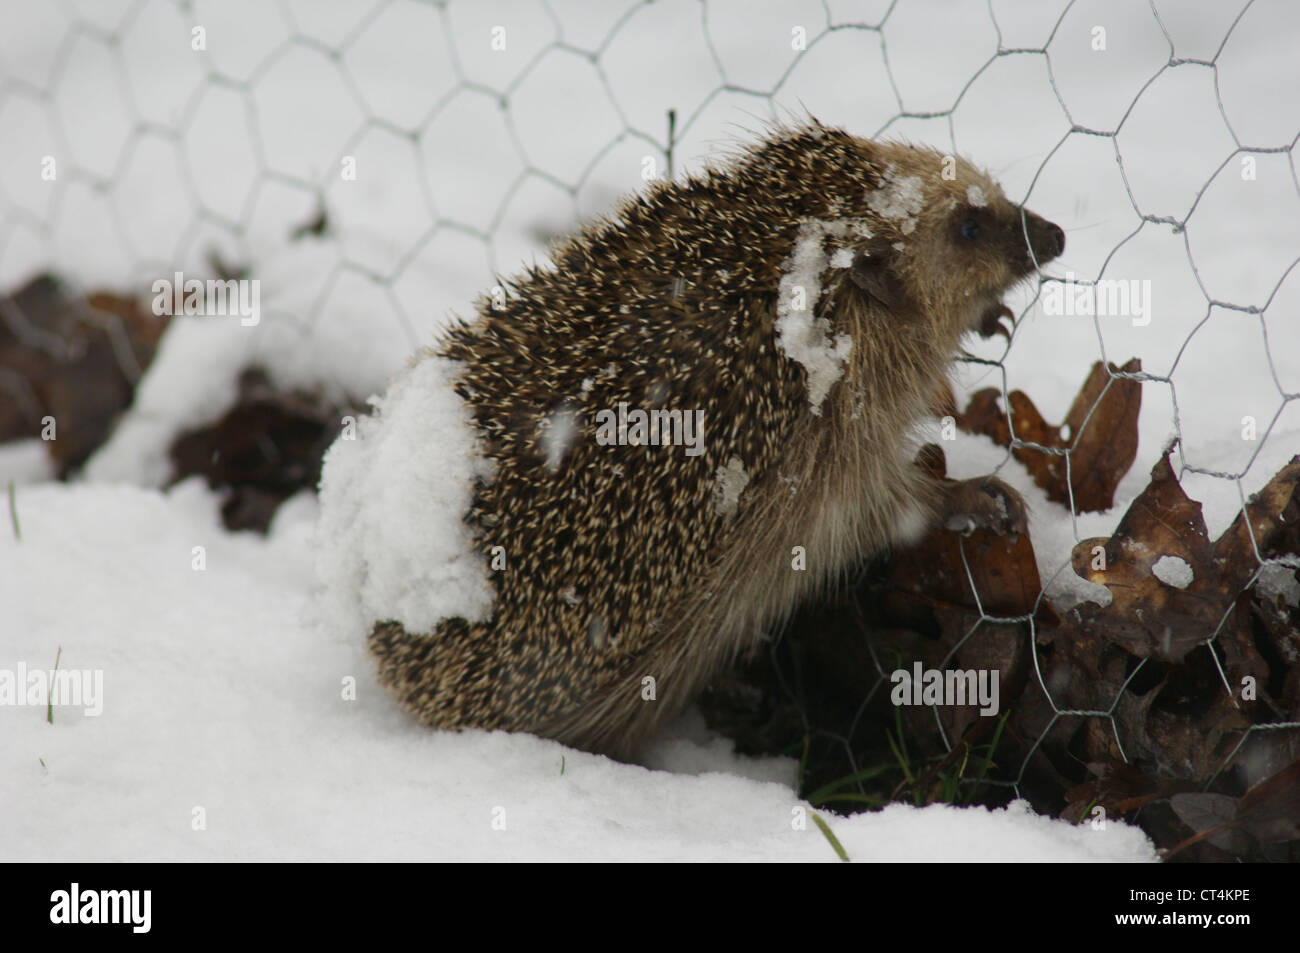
786 319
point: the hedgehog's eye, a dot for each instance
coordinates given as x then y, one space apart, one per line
970 230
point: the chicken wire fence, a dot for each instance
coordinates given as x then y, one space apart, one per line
155 133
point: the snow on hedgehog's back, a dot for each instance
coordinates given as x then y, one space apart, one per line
578 508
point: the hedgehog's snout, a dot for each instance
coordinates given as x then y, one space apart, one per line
1046 241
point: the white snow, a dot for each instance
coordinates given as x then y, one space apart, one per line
976 197
801 336
558 432
392 543
25 461
1279 582
222 695
1173 571
898 196
193 378
730 482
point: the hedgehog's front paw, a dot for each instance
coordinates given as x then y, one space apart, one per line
985 503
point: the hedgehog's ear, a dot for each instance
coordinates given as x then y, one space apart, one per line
873 276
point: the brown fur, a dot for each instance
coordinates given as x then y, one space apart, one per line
620 565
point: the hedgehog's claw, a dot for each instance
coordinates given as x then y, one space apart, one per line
991 321
985 503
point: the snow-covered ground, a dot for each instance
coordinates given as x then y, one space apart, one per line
222 691
222 696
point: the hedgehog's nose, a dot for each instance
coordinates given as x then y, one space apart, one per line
1045 238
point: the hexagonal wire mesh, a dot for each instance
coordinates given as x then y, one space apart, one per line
143 137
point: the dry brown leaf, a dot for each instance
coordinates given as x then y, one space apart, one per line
1102 441
74 360
1151 616
265 448
1269 812
1271 809
1115 786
